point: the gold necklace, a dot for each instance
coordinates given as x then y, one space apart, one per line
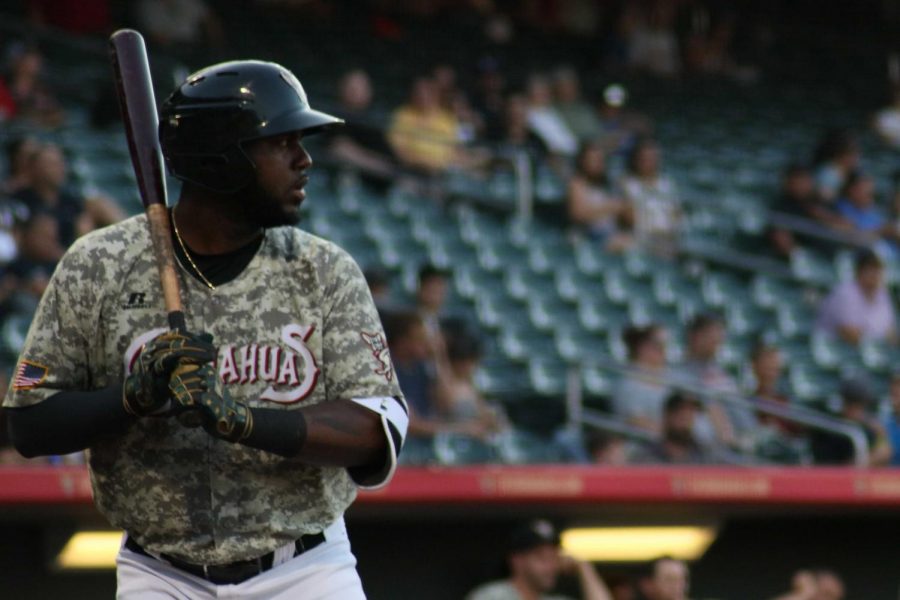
188 254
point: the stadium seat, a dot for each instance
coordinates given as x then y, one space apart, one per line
459 449
548 376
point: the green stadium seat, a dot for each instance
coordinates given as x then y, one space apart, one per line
722 289
572 284
458 449
599 315
517 447
495 311
549 377
770 292
522 284
574 344
418 451
547 312
592 260
794 320
812 268
596 381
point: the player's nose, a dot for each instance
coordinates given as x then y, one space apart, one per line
302 159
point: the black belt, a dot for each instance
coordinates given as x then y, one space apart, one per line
231 573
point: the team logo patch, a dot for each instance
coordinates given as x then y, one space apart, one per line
379 347
29 375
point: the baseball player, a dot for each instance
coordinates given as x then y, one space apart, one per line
227 452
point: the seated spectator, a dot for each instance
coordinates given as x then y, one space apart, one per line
887 121
592 206
767 369
857 206
677 445
836 158
653 200
489 99
892 421
423 135
32 99
517 136
641 392
577 114
606 449
422 378
360 143
732 426
27 276
19 152
458 400
620 128
545 120
535 563
820 584
798 198
857 402
455 101
665 578
379 284
860 308
652 44
180 23
76 215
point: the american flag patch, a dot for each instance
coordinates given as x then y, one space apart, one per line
29 375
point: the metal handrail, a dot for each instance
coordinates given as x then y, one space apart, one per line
797 414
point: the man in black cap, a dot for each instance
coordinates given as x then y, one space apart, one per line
857 400
678 444
535 563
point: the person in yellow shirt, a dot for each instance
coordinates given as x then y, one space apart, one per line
424 135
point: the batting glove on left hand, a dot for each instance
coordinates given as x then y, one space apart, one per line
200 395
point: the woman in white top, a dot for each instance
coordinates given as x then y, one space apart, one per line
591 204
653 199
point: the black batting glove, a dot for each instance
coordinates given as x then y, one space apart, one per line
201 398
146 389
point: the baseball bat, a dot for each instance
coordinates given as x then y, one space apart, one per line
134 88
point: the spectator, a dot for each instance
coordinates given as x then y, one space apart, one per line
535 564
422 379
27 276
652 44
379 283
489 99
19 152
798 198
76 215
665 578
767 369
836 158
517 135
887 121
180 23
620 128
360 143
892 422
653 200
677 445
857 206
606 449
815 585
857 401
592 206
32 98
545 120
705 335
641 392
577 114
860 308
459 401
423 135
431 293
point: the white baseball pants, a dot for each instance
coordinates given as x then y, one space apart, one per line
327 572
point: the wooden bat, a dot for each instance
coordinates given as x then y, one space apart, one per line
135 90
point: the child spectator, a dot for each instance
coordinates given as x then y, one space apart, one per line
653 200
592 206
640 393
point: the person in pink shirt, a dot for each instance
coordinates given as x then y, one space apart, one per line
860 309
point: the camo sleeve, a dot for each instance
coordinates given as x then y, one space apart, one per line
355 357
56 352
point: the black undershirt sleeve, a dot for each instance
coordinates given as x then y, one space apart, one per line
67 422
281 432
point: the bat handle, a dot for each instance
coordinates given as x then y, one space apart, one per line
176 321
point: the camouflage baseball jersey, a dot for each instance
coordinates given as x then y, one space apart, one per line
297 327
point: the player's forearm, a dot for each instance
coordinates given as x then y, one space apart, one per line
67 422
338 433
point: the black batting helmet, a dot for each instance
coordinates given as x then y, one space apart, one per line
205 122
